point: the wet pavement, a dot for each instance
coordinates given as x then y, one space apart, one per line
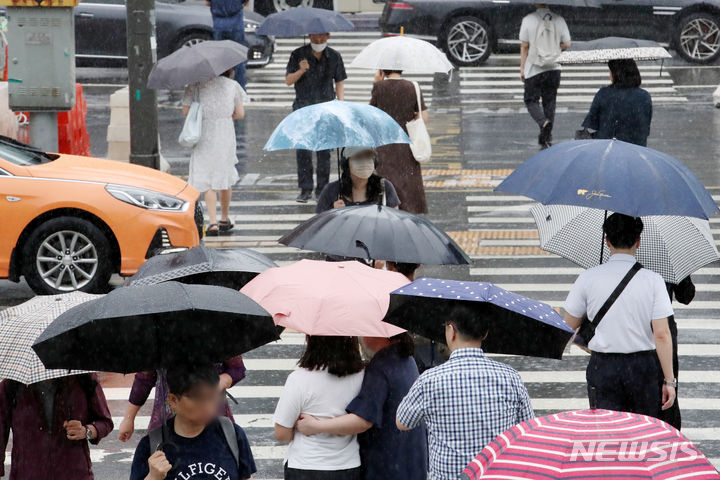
476 145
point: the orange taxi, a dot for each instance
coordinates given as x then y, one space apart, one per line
69 223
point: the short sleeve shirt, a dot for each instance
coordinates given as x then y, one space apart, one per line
528 29
627 326
204 457
317 85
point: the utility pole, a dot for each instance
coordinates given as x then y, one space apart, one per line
141 49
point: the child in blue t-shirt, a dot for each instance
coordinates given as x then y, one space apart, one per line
195 444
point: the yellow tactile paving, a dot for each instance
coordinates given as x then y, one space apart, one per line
470 242
477 235
464 178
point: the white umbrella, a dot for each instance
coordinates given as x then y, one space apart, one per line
672 246
411 55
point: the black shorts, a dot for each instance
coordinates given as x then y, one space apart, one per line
297 474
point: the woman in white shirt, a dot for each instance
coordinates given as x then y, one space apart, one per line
329 378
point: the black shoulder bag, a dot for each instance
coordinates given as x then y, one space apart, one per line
586 332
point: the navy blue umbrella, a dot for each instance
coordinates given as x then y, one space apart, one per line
517 325
611 175
297 22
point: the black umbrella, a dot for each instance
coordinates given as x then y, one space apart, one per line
517 325
135 329
231 268
376 232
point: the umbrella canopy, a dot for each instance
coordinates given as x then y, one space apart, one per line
411 55
379 233
230 268
336 124
21 325
328 298
518 325
584 444
611 175
674 247
134 329
297 22
602 50
197 63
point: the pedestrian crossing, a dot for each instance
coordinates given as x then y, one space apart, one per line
496 84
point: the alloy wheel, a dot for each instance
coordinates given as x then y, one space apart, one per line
700 38
468 41
288 4
67 260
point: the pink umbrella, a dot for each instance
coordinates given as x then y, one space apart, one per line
328 298
586 444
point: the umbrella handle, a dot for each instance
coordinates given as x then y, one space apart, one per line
602 244
337 151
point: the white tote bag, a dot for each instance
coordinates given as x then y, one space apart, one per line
192 128
417 131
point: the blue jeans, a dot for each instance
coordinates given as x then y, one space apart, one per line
232 28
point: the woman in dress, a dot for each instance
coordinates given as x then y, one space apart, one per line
397 97
358 184
329 377
622 110
230 372
386 452
213 159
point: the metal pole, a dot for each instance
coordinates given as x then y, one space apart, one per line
141 45
44 131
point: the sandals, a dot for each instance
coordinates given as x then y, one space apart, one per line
225 226
212 230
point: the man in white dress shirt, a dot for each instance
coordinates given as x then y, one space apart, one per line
632 343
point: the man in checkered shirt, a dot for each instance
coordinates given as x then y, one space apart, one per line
466 402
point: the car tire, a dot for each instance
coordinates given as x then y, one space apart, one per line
93 257
192 39
689 41
267 7
467 40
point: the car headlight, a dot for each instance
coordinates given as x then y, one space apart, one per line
250 26
147 198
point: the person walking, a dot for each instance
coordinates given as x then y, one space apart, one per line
213 158
230 373
52 423
543 36
358 184
465 402
198 443
397 97
329 377
386 452
622 110
229 24
632 343
317 72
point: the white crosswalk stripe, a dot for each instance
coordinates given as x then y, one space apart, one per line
490 85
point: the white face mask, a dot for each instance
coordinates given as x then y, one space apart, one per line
318 47
362 167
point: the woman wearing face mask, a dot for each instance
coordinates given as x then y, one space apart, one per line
359 184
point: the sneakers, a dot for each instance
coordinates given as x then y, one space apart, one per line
545 136
304 196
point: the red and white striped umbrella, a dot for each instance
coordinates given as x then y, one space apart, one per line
591 444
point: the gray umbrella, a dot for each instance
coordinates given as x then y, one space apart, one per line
197 63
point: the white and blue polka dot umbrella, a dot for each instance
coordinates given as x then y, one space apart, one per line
517 325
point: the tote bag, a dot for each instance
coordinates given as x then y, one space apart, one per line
192 128
417 131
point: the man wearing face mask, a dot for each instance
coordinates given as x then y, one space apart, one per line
359 184
316 71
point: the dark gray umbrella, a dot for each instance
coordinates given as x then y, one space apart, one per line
297 22
197 63
136 329
231 268
379 233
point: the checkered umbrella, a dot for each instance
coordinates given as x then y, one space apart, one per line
21 325
672 246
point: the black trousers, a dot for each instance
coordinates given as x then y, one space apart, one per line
305 170
626 382
672 414
297 474
543 86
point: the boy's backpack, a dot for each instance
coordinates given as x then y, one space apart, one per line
155 437
547 44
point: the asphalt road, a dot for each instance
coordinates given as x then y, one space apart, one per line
480 133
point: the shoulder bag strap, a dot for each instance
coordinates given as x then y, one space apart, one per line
231 437
614 296
417 96
155 437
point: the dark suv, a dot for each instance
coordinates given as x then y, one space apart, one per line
470 30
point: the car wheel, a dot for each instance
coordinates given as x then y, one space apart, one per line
467 41
697 38
66 254
192 39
